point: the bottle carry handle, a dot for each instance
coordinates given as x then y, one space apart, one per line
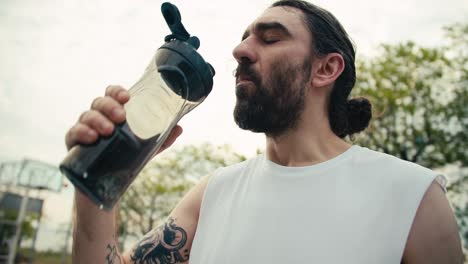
174 21
178 71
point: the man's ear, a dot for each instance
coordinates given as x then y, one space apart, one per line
327 69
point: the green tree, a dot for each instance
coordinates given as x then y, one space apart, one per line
163 182
420 101
457 50
8 231
417 98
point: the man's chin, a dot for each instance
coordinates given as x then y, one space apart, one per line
258 124
249 128
243 122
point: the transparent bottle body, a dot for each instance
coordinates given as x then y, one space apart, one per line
105 169
153 106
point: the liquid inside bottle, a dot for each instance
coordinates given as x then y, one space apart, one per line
104 170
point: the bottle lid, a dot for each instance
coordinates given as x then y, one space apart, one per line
179 61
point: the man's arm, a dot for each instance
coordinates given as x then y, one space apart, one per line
434 237
94 233
94 236
172 241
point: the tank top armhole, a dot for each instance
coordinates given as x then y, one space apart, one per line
207 192
442 181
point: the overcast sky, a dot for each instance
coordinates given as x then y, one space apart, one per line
57 55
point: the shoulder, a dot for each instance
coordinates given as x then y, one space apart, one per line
394 170
433 233
234 173
433 236
406 182
223 183
372 158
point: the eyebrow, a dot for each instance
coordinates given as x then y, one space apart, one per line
264 26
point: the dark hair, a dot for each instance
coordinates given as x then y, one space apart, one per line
346 117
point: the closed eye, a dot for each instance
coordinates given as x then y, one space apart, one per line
270 36
270 41
269 32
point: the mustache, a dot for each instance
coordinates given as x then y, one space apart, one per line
247 70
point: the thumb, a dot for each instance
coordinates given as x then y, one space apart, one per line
175 133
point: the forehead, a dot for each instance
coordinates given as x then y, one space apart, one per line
289 17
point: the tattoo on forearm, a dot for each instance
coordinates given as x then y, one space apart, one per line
113 255
162 246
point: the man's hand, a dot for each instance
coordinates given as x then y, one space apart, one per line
104 114
94 229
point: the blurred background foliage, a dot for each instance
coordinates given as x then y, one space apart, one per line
420 100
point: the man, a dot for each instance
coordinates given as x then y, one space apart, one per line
312 197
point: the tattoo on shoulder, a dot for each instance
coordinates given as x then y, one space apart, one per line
113 255
162 245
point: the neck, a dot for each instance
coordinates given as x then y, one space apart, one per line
311 142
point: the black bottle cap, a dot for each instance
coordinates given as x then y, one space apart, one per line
179 62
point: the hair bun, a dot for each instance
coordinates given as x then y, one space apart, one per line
359 112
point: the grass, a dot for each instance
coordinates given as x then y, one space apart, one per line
44 257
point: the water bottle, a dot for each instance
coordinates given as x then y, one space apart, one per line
176 80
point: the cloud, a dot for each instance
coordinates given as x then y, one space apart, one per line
5 100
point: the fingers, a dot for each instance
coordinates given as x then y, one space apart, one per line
118 93
90 125
97 121
100 120
110 108
80 134
105 112
175 133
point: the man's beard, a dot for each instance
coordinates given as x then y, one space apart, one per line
275 105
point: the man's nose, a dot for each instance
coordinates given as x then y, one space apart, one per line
245 52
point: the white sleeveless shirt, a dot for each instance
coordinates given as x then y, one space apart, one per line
355 208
